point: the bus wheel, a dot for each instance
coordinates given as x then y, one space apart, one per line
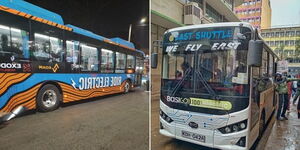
127 87
48 98
261 124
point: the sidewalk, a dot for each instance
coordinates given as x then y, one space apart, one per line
285 135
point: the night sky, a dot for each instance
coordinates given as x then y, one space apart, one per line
108 18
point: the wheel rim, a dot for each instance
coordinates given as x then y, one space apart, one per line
126 87
49 98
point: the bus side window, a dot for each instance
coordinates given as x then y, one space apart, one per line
14 42
107 61
73 54
130 62
139 65
120 62
48 43
47 48
14 37
89 58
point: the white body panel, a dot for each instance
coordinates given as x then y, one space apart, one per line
208 127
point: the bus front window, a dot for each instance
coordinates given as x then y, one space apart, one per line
207 68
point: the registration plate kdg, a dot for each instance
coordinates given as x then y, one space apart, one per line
193 136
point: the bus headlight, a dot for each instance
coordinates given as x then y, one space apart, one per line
234 127
165 116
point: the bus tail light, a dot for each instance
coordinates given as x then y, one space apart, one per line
234 127
165 116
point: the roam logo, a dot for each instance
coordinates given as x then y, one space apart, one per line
54 68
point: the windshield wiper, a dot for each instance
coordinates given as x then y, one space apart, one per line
179 84
206 85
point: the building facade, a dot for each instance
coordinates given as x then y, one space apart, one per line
167 14
256 12
285 42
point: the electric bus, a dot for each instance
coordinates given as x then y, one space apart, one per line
217 85
44 62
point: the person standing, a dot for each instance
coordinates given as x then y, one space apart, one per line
282 89
297 93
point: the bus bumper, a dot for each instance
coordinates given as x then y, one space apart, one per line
213 138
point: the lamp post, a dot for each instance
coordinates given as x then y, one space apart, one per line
142 21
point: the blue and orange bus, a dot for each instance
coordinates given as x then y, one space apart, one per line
45 62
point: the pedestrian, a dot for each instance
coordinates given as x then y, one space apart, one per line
296 96
282 89
289 85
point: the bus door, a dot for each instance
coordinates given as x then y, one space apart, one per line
254 99
139 71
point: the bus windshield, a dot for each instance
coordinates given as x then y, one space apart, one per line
208 63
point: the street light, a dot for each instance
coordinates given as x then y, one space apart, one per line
142 22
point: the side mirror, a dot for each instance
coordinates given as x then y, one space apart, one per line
154 60
255 50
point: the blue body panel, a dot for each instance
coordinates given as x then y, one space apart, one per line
86 33
123 42
75 80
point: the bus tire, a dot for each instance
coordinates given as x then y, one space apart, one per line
261 125
127 86
48 98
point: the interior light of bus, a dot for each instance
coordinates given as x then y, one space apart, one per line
15 30
107 51
41 36
4 27
54 38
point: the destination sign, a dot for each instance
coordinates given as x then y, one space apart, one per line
197 47
200 35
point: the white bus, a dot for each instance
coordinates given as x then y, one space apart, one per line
217 85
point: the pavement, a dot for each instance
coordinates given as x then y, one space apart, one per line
278 135
119 122
285 135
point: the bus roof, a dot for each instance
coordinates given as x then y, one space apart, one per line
123 42
86 32
28 8
222 24
34 10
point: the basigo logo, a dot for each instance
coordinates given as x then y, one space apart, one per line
10 66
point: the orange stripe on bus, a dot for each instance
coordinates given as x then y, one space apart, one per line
16 80
21 97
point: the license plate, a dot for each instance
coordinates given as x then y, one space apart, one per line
193 136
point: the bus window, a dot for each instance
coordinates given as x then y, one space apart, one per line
130 61
73 54
107 61
264 67
89 61
14 42
139 65
5 37
47 48
271 62
120 62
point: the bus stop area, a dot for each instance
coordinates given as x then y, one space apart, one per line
279 135
111 122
